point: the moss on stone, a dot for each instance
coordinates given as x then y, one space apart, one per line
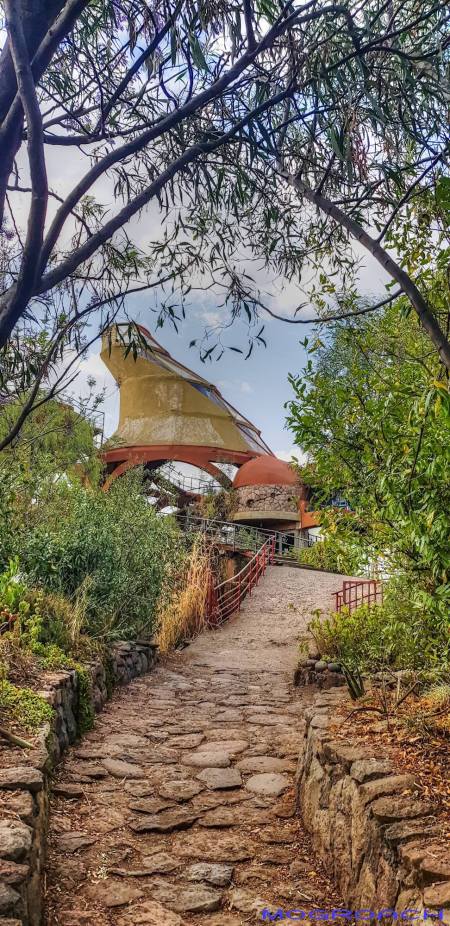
23 706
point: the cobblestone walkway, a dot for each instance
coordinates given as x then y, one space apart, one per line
178 808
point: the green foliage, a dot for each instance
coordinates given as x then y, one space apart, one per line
372 409
106 558
371 638
333 554
23 706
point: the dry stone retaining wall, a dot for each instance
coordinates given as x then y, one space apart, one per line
24 786
380 840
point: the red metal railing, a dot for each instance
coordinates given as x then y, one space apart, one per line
225 598
355 593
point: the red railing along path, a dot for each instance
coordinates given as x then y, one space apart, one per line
226 597
357 592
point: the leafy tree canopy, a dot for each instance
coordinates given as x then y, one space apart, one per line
373 412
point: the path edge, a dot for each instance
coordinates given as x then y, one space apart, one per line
24 788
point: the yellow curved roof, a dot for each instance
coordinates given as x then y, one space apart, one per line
163 402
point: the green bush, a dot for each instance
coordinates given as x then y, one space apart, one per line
393 634
109 551
332 555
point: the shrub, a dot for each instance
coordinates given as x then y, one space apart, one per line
109 554
333 555
392 634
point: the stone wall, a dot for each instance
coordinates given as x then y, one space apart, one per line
382 843
24 783
268 498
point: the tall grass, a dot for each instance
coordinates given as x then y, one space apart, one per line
184 616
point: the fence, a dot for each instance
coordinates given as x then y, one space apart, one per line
355 593
226 598
244 537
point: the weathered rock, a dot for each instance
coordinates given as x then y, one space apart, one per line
13 873
246 902
274 855
18 803
437 895
435 868
195 899
9 900
21 777
389 809
411 829
221 816
269 784
392 784
15 840
220 778
89 770
119 769
113 893
164 822
215 874
187 740
207 759
68 790
264 764
220 849
150 805
182 790
160 863
366 769
150 913
71 842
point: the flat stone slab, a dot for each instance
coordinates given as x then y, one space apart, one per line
71 842
164 822
270 784
208 758
22 777
150 913
215 874
160 863
390 809
220 849
119 769
149 805
183 790
113 893
186 741
218 778
68 790
195 899
264 764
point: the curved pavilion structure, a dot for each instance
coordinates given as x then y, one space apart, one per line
169 413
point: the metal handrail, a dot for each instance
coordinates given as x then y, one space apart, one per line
244 537
225 598
355 592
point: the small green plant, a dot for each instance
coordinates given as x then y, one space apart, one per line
23 706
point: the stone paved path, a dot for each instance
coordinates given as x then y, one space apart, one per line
178 808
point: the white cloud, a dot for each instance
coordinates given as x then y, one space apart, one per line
246 387
287 455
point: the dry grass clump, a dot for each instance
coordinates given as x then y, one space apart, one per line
184 616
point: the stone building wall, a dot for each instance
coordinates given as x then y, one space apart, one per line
24 783
268 498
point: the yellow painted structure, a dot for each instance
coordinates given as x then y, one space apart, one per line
164 404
